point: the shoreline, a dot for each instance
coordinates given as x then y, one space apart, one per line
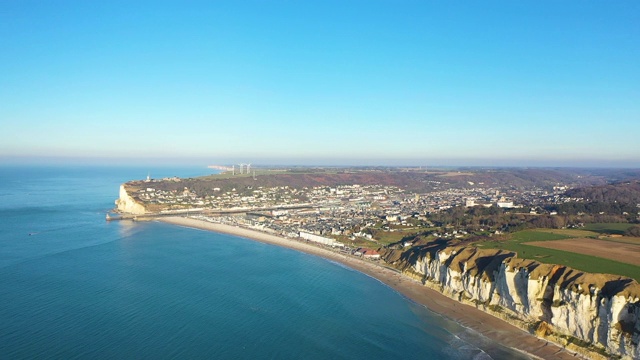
468 316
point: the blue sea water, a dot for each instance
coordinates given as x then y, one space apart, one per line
75 286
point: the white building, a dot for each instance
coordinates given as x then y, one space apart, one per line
505 204
320 239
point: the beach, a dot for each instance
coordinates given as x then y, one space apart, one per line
493 328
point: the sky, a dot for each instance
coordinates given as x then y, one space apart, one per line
530 83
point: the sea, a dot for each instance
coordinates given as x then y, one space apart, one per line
74 286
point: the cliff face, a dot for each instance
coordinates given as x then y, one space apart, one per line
128 204
577 309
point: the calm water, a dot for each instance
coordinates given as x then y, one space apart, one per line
75 286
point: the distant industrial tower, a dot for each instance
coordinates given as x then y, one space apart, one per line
244 169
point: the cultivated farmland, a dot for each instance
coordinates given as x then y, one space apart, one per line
617 251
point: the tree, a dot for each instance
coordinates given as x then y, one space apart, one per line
633 231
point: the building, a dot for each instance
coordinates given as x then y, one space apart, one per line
367 253
320 239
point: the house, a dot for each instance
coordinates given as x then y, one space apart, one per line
367 253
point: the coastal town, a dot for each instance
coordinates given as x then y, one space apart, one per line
464 234
360 180
347 216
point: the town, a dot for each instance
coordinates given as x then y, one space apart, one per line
347 216
484 238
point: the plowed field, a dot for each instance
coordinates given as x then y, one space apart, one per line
626 253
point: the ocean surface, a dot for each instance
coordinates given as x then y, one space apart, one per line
75 286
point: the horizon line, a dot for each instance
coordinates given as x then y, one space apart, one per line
328 162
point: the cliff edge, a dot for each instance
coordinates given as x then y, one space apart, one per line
127 204
592 314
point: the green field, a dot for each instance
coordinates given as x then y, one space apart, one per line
382 237
571 232
538 235
388 237
518 243
358 242
608 228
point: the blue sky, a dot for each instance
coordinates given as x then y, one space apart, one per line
323 82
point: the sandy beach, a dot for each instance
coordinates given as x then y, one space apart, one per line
486 324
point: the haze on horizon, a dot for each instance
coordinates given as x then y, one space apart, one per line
495 83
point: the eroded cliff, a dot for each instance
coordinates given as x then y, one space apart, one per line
589 313
127 204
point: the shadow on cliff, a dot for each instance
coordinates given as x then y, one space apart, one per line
614 287
487 266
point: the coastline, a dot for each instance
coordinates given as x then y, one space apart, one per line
486 324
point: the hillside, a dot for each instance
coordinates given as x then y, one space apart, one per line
411 180
626 192
619 198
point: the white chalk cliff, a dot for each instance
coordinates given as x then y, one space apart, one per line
128 204
595 314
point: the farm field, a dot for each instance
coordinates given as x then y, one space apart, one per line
608 233
570 232
396 235
520 241
609 228
624 239
623 252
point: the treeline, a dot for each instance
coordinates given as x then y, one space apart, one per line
621 198
493 218
624 193
628 211
633 231
478 219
